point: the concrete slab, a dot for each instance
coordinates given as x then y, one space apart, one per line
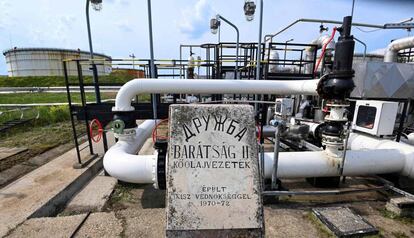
282 223
149 223
344 222
43 191
101 225
147 148
93 196
48 227
9 175
8 152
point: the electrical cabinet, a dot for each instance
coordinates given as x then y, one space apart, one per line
375 117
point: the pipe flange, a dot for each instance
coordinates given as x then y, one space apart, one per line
161 180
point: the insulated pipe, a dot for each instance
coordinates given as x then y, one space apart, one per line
219 86
391 52
365 142
122 162
319 42
320 164
313 128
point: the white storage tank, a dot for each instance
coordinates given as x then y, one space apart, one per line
48 62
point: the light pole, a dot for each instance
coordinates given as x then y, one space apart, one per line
152 65
214 26
284 55
97 6
133 60
249 10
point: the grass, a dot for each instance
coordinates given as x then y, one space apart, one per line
122 193
322 230
24 98
37 140
388 214
54 81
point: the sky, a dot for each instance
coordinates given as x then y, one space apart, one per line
121 27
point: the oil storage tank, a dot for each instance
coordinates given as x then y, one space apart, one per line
48 62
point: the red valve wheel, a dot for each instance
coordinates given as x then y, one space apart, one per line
155 135
98 137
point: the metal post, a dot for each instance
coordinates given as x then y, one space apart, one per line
75 135
259 49
152 74
94 70
237 43
83 99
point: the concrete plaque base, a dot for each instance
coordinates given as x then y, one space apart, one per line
213 184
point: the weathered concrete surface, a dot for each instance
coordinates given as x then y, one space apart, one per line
149 223
44 190
8 152
213 171
282 223
93 197
402 206
96 225
147 148
48 227
9 175
101 225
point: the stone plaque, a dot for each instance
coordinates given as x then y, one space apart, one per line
213 183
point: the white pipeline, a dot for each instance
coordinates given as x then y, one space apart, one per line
122 162
320 164
219 86
369 143
391 52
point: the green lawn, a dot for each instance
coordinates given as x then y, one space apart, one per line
54 81
20 98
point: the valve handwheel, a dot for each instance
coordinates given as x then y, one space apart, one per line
98 136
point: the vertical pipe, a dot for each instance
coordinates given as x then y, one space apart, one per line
276 158
152 75
94 73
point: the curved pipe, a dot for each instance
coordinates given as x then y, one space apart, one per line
219 86
122 162
391 52
319 42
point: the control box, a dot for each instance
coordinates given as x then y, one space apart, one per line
375 117
284 106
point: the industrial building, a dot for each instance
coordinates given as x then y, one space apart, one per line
48 62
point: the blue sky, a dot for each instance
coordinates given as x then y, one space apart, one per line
121 27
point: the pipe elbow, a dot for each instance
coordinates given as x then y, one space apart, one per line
130 168
391 52
125 95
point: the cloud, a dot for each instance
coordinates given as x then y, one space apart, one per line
120 2
194 21
124 26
